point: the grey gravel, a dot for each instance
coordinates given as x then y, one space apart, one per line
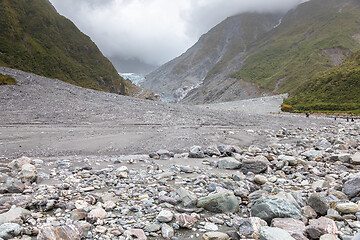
104 166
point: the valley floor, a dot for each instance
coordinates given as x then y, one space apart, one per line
104 166
47 117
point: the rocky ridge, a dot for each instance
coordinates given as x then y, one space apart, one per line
305 189
216 55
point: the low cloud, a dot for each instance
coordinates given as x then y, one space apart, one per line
155 31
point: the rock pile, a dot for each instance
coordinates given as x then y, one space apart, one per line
303 185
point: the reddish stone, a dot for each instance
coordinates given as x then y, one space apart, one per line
295 227
186 221
321 226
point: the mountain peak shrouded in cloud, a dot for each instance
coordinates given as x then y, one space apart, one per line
155 31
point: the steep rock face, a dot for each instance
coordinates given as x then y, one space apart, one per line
216 55
35 38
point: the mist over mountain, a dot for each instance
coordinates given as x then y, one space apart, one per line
265 54
155 31
134 65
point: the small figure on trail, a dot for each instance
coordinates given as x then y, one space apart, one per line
347 119
335 118
307 115
352 119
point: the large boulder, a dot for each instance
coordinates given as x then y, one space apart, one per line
357 236
167 231
17 164
273 233
352 186
138 234
295 227
347 207
164 154
321 226
270 207
14 186
28 173
229 163
319 203
330 237
312 154
188 198
345 158
96 214
185 220
249 227
10 230
323 144
215 236
219 203
212 151
254 165
165 216
355 159
196 152
15 215
66 232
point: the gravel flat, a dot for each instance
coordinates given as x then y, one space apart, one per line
47 117
104 166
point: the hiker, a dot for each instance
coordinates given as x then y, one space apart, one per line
347 119
335 118
352 119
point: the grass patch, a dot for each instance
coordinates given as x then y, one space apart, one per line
7 80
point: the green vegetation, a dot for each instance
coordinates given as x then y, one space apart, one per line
286 108
7 80
35 38
336 90
301 46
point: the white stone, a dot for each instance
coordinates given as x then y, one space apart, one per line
211 226
165 216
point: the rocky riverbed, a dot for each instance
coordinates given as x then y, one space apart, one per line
103 166
306 189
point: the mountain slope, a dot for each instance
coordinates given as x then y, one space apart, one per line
219 51
314 37
333 90
35 38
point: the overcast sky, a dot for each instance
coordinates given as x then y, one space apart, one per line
155 31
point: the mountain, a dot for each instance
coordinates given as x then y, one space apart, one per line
219 52
314 37
286 51
334 90
35 38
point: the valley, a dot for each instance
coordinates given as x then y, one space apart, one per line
99 165
57 121
88 153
